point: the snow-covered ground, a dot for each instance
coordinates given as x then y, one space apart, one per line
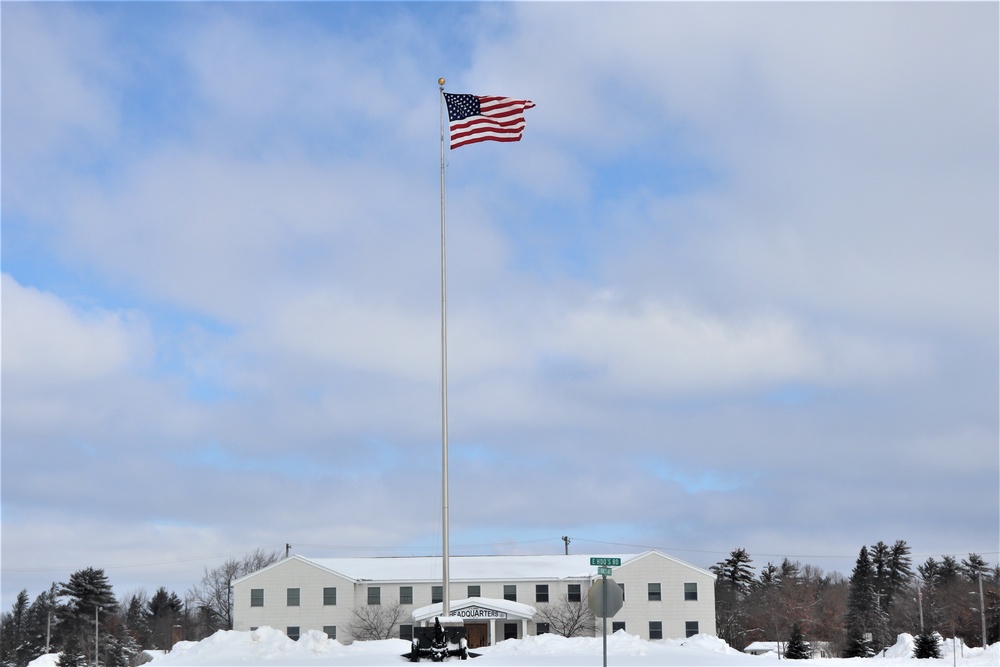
267 647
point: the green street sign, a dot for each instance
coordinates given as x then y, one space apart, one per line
612 562
606 571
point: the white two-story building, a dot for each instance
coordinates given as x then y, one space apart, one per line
497 596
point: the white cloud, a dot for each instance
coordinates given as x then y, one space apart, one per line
58 90
48 343
737 242
649 347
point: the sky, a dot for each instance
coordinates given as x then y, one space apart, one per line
736 287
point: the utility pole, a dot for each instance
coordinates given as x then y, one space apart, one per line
288 549
97 610
920 605
565 538
982 609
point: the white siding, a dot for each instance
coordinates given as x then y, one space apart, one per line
672 610
311 614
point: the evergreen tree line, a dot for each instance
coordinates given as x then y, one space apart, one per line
84 621
789 602
861 615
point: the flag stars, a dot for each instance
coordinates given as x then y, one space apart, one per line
461 106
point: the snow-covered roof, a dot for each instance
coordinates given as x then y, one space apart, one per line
464 568
470 568
761 647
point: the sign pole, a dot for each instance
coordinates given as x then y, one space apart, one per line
604 619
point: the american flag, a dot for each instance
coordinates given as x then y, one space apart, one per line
475 118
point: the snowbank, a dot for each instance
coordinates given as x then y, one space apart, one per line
267 647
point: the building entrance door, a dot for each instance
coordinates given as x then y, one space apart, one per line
477 634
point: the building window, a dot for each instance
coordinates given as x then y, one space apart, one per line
622 586
510 592
655 630
573 593
437 594
406 595
293 597
293 632
374 595
541 592
406 632
331 631
691 591
690 628
475 591
654 592
617 625
510 630
329 597
542 628
256 597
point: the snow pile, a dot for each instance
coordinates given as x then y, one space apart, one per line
267 647
623 649
953 651
706 643
45 660
903 647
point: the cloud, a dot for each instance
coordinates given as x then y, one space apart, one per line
738 281
49 344
650 347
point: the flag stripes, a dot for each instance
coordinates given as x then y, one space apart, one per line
475 118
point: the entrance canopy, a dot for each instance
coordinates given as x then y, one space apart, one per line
476 609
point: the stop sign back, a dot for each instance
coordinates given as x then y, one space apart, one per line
605 598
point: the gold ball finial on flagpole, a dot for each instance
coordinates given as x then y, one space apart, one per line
441 81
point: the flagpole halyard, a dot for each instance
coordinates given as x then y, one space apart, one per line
470 119
446 584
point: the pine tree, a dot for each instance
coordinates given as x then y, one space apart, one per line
15 632
862 609
91 600
43 623
734 582
118 654
858 646
72 655
974 566
135 621
926 645
165 611
88 589
797 648
736 571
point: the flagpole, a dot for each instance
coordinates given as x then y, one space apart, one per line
445 595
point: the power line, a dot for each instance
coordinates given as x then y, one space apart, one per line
431 550
125 566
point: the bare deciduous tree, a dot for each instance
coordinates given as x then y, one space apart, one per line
375 621
212 598
569 619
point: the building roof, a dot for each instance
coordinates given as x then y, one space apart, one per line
469 568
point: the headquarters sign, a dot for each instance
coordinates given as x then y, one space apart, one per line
478 613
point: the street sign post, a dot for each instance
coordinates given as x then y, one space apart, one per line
605 598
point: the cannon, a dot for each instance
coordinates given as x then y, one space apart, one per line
440 642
